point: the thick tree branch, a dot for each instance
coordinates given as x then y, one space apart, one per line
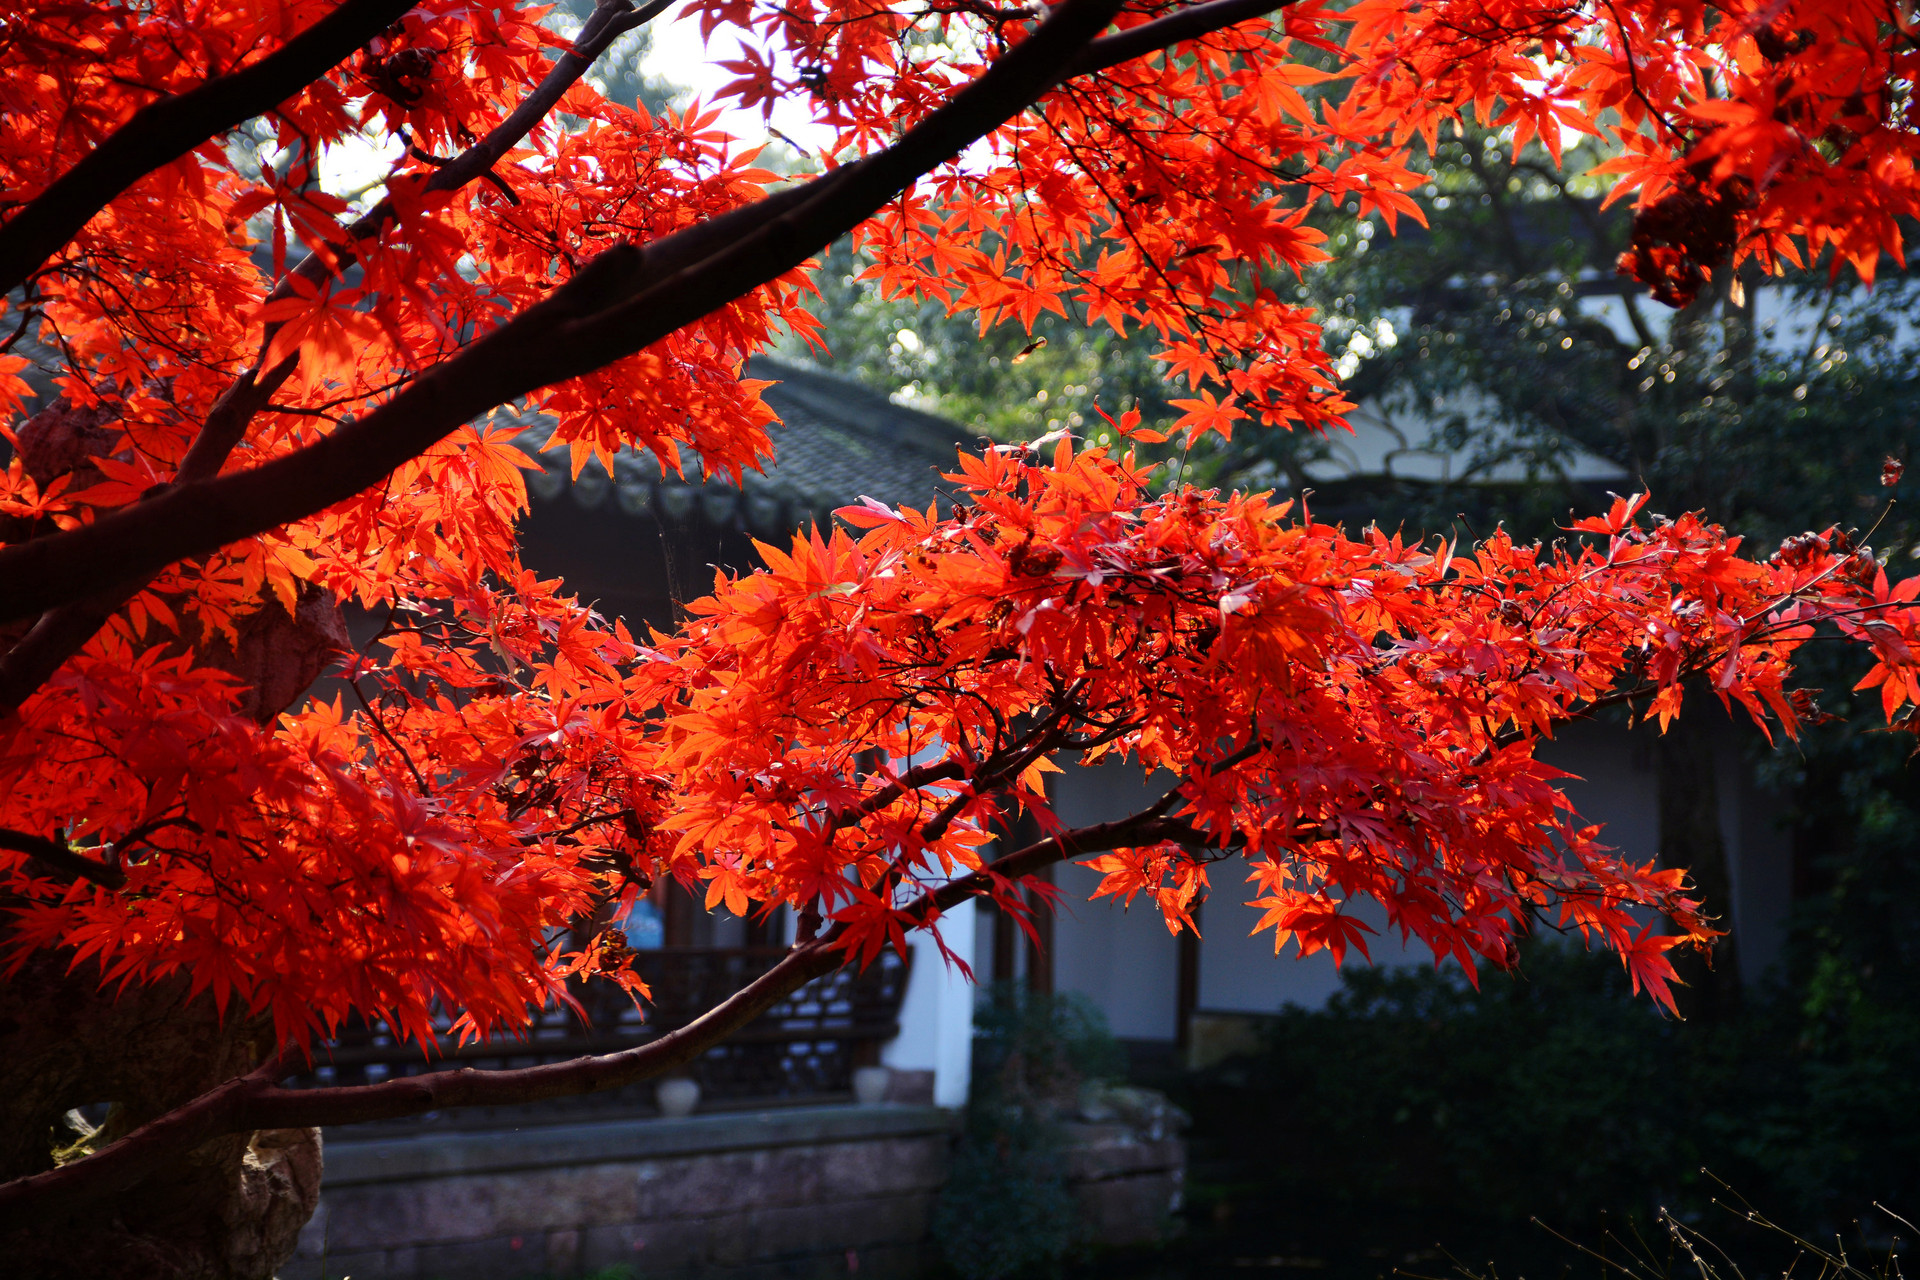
1187 24
163 131
63 631
624 300
61 857
255 1102
60 633
126 1162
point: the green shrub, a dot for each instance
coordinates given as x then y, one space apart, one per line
1413 1098
1006 1211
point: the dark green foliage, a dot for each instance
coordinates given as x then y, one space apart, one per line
1005 383
1030 1045
1006 1211
1556 1094
1856 999
1502 335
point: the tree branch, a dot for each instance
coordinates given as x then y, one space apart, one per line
1149 826
58 635
255 1102
126 1162
622 301
228 421
62 631
610 20
62 857
1150 37
162 132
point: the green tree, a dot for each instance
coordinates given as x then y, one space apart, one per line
1514 337
1005 382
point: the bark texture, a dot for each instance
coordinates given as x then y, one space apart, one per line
229 1210
279 654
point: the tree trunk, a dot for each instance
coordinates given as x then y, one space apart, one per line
231 1210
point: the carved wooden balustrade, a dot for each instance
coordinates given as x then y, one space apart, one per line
804 1047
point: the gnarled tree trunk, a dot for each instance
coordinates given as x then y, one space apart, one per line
231 1210
234 1207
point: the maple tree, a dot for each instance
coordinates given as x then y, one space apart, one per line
270 403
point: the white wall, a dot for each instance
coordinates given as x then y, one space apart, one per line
936 1017
1239 973
1615 785
1620 788
1124 961
1128 964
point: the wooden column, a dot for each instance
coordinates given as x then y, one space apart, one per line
1040 942
1187 995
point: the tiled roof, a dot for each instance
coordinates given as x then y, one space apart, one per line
836 441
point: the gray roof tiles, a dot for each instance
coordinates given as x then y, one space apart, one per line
836 440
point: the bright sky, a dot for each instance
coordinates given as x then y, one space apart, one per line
679 57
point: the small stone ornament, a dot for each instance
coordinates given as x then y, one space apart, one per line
677 1097
870 1085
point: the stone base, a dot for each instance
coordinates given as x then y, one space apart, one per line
1130 1188
816 1191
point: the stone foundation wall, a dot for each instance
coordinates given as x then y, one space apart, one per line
1130 1185
813 1191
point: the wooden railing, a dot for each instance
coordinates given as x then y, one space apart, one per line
806 1046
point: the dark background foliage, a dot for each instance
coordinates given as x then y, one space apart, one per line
1006 1210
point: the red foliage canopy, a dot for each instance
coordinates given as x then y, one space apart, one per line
271 401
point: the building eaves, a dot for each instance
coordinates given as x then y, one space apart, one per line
835 442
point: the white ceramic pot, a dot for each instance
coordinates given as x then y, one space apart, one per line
677 1097
870 1085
